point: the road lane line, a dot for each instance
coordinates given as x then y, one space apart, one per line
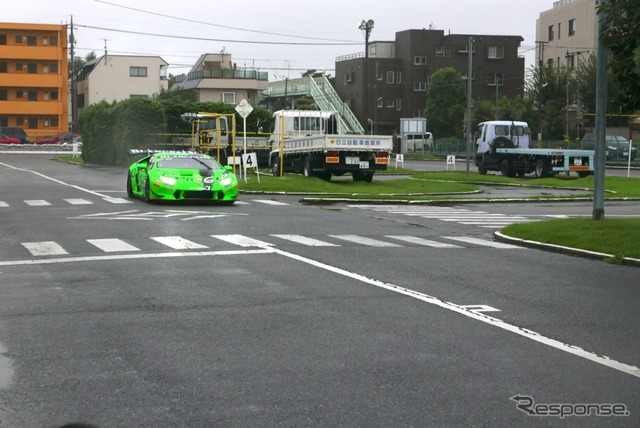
479 316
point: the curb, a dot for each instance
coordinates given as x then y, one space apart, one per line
628 261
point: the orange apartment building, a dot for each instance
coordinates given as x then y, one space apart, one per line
34 79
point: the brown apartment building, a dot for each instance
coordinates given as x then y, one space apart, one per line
34 78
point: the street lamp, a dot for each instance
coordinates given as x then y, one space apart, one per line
366 26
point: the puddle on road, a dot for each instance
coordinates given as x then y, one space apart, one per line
6 371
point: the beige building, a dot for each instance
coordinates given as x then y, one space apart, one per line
566 31
119 77
215 78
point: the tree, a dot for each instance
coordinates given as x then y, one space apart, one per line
621 36
446 102
547 90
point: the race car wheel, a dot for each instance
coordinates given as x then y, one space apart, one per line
147 191
129 189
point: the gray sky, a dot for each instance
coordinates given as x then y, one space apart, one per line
284 37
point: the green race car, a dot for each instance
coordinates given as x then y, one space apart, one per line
178 176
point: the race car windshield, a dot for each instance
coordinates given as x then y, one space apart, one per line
188 163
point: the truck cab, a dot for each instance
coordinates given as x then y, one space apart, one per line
502 134
303 123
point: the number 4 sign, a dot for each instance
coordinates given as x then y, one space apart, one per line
250 160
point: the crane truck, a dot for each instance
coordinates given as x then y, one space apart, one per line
311 142
505 146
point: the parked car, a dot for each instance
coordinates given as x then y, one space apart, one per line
419 142
58 139
616 146
15 133
5 139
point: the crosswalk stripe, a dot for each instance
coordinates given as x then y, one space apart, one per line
45 248
177 242
78 202
422 241
269 202
365 241
36 202
310 242
3 204
243 241
483 242
118 200
112 245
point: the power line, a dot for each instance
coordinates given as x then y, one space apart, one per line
257 42
218 25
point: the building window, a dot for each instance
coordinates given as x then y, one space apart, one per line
570 61
45 68
495 79
228 97
390 75
390 104
550 62
32 41
32 95
572 27
380 103
53 68
53 40
465 76
495 52
45 96
18 39
550 32
559 30
398 104
19 94
32 68
420 60
348 78
399 77
45 123
3 94
45 41
4 122
54 95
33 123
55 122
417 113
138 71
3 39
3 67
420 86
19 66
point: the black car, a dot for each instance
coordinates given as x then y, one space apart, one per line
615 147
15 133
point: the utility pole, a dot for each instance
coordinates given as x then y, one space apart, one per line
366 26
469 80
72 43
601 124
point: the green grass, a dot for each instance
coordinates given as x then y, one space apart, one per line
403 188
618 237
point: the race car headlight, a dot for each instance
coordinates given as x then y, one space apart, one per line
169 181
225 180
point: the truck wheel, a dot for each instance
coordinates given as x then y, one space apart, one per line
506 168
275 167
583 174
541 168
481 168
368 177
325 176
358 175
306 167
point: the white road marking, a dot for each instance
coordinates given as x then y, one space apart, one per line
422 241
112 245
269 202
365 241
241 203
241 240
529 334
483 242
310 242
117 200
178 243
37 202
78 201
3 204
45 248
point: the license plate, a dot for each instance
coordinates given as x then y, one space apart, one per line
577 162
349 160
364 165
625 154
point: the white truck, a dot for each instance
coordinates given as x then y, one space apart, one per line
505 146
310 141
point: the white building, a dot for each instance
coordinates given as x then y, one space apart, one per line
566 32
119 77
